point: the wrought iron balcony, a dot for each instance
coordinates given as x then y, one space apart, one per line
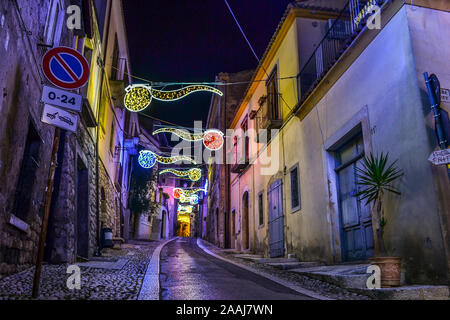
339 35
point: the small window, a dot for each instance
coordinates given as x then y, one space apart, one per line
261 208
54 24
272 96
115 59
112 137
244 127
295 189
27 175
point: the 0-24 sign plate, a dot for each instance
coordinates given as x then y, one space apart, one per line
62 98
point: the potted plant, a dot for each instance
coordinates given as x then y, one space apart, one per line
376 178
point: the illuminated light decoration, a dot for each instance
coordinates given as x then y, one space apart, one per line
184 209
177 193
139 96
184 218
193 191
193 174
177 94
147 159
193 199
183 194
205 187
212 138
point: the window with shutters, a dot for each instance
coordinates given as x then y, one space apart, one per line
272 96
115 60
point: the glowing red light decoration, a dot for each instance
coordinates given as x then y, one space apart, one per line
177 192
213 139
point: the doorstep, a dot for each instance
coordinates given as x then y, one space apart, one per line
344 276
353 277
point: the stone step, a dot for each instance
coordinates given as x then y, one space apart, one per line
277 260
250 257
345 276
292 265
344 281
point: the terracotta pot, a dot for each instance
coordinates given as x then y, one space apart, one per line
390 270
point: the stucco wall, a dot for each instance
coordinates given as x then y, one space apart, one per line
380 93
388 87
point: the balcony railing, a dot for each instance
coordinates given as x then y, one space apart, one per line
339 35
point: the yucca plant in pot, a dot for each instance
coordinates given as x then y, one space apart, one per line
375 178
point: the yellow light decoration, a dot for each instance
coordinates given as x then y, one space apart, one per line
184 218
139 96
184 209
192 199
193 174
173 95
178 193
193 191
183 134
212 138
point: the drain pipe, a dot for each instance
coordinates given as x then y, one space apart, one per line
436 112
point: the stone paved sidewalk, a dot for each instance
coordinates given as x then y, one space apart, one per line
116 276
324 288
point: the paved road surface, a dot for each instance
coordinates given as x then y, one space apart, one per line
188 273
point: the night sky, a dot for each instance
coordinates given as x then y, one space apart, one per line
193 41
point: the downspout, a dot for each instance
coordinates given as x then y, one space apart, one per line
227 184
436 113
97 160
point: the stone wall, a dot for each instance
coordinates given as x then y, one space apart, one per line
109 209
21 82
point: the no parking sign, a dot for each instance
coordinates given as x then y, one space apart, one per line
65 68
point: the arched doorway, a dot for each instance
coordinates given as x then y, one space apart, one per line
245 223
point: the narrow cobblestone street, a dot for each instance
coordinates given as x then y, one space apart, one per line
188 273
102 282
205 151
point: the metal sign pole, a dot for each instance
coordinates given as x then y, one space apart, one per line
48 197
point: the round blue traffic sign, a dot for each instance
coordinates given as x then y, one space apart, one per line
65 68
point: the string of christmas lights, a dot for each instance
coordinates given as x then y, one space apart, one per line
194 174
139 96
182 209
213 139
147 159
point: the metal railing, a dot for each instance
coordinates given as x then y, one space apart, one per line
337 37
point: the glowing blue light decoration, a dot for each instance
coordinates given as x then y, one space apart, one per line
147 159
194 199
205 188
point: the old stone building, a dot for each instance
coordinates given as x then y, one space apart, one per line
334 90
157 222
221 112
27 29
91 181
